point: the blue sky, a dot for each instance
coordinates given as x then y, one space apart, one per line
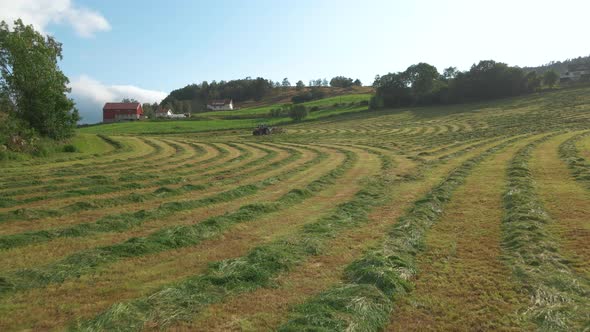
144 49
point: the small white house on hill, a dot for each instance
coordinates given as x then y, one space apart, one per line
221 105
166 113
163 113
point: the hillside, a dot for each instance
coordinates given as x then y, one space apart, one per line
559 66
237 119
399 219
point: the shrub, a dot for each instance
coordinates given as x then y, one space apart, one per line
276 113
314 109
298 112
70 148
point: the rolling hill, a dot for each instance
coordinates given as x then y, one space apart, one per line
459 217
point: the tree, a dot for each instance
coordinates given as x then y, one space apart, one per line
341 82
129 100
324 82
33 82
286 83
148 110
299 85
298 112
449 73
357 82
550 78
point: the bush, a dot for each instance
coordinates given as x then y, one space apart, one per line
313 94
298 112
314 109
70 148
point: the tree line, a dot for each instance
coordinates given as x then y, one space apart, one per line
422 84
194 97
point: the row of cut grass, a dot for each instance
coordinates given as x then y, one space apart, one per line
579 166
374 282
167 238
256 269
124 221
559 298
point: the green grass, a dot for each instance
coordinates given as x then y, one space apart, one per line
219 120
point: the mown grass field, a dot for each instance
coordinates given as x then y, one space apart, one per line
465 217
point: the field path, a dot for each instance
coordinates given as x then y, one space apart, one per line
461 270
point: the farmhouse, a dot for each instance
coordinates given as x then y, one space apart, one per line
166 113
221 105
576 72
163 112
115 112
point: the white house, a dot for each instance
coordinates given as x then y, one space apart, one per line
167 113
221 105
163 113
576 72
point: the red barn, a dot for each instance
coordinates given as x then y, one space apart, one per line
115 112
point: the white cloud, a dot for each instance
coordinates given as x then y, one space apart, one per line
90 96
41 13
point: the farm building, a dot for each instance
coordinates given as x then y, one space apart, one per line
163 112
166 113
115 112
221 105
576 72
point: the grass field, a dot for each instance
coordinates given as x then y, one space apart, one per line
463 217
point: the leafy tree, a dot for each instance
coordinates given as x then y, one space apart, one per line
341 82
148 110
33 82
449 73
550 78
286 83
324 82
298 112
357 82
299 85
129 100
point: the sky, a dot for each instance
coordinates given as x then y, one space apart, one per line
144 49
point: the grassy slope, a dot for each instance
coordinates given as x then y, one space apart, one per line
433 139
238 119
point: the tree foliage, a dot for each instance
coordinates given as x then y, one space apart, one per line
421 84
298 112
550 78
341 82
32 82
299 85
197 95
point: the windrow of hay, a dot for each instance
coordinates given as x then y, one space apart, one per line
187 185
170 237
579 166
123 221
372 284
257 269
559 298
